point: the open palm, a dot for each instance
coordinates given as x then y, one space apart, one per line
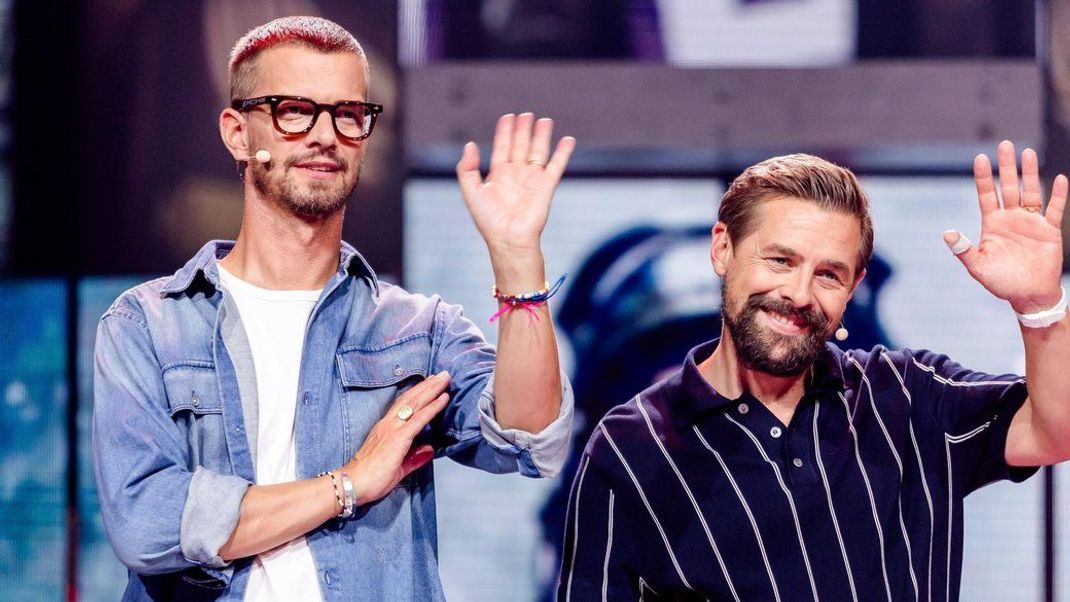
510 207
1019 257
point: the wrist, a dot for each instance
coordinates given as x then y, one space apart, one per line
350 468
1038 303
518 272
1047 316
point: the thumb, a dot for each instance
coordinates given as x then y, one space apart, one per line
468 170
962 248
417 457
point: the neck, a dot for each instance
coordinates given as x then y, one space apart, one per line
730 377
279 250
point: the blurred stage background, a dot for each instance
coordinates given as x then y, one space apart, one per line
111 172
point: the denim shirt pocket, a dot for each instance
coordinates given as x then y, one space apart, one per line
197 409
373 377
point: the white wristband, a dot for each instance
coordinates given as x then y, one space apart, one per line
1047 317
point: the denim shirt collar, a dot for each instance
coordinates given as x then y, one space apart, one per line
204 264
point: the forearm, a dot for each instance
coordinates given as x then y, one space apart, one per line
527 374
272 515
1048 380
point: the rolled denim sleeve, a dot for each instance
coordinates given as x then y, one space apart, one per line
542 454
470 434
210 515
160 516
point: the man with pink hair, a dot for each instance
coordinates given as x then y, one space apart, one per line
265 418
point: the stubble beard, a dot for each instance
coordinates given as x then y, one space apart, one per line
764 350
309 199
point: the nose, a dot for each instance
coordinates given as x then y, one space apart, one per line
798 289
322 133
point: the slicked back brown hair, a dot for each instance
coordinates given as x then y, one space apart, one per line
798 176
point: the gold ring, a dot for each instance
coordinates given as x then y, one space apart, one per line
537 162
1031 208
404 413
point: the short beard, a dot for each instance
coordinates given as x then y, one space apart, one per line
756 345
317 200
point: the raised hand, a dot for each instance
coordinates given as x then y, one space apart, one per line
1019 257
388 454
511 205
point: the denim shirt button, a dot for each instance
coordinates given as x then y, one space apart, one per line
196 402
327 577
398 371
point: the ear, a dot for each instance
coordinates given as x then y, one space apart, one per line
232 130
854 287
720 248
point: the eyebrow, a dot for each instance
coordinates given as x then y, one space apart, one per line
837 266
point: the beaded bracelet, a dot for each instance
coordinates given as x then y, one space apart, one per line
526 301
337 492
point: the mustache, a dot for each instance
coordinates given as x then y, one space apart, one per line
328 156
816 320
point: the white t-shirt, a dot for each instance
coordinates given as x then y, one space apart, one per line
275 323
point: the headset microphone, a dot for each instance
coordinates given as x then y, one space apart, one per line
261 156
841 333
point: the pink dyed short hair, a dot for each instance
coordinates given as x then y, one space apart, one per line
312 32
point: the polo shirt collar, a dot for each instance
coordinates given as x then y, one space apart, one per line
692 395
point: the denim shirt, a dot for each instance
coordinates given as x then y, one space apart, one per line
174 426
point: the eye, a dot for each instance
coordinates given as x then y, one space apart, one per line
288 109
349 114
779 261
830 276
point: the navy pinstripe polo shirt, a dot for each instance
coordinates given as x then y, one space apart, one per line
684 494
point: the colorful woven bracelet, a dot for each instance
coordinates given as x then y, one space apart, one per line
526 301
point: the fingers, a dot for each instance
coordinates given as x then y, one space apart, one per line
986 186
962 248
1008 175
468 175
1057 203
558 163
1031 195
540 141
521 138
425 415
503 140
420 394
417 457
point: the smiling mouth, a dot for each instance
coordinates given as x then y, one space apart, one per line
319 170
787 324
320 167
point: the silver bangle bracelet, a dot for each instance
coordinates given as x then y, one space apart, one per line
350 496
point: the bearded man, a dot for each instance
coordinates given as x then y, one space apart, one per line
772 465
265 418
